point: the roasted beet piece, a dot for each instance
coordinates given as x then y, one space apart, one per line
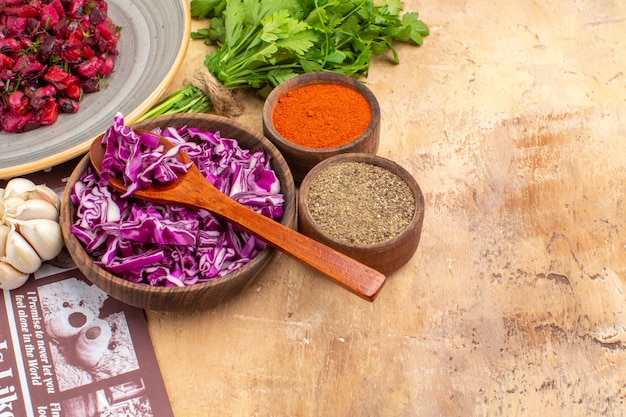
108 33
55 75
49 16
67 105
15 26
90 85
6 62
49 47
90 68
107 67
60 79
31 124
27 66
48 114
71 52
74 7
18 102
40 96
97 16
74 91
8 45
61 29
21 10
88 52
9 3
14 122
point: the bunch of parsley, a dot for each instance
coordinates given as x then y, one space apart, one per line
261 43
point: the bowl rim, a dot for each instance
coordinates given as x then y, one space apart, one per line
320 77
388 164
289 217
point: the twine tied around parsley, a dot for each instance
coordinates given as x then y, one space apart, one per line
222 99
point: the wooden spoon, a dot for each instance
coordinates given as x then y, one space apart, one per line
193 190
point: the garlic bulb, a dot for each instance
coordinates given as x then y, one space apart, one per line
29 230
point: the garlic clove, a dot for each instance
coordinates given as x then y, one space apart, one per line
16 187
35 209
4 232
44 236
20 254
43 192
11 278
1 193
11 204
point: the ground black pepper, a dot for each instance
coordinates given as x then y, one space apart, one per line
360 203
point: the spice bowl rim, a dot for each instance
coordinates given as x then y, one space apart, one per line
366 142
197 296
408 238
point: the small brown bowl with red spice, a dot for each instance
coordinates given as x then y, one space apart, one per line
316 115
365 206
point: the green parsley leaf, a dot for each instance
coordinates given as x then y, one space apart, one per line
201 9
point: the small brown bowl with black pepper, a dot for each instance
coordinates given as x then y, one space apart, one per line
365 206
314 116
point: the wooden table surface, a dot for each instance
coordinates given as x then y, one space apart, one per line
512 118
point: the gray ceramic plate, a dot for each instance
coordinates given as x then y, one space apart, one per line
154 41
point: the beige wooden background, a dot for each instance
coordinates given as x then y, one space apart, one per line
512 118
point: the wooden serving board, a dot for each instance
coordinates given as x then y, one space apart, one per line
512 118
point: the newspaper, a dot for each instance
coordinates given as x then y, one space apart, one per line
67 349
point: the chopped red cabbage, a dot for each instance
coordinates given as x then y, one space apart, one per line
167 245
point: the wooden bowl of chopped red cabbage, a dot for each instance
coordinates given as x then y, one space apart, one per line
170 258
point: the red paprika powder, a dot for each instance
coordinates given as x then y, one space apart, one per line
321 115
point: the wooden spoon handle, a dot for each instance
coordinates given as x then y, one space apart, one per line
345 271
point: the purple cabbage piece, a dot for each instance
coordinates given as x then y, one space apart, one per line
166 245
137 158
